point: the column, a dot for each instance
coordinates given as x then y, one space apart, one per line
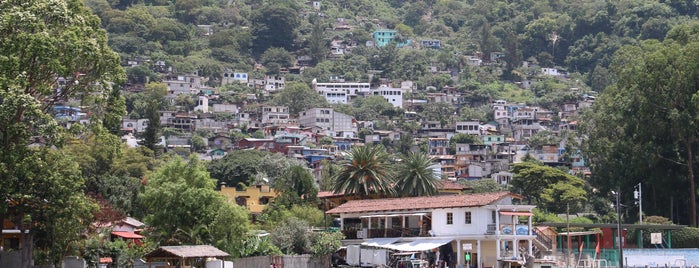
497 248
459 253
478 251
497 221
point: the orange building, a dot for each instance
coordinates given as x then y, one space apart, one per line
255 197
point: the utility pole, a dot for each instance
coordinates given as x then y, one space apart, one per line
638 195
618 230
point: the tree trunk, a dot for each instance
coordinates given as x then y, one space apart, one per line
692 191
27 247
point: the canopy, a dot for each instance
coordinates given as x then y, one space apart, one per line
419 245
127 235
516 213
380 242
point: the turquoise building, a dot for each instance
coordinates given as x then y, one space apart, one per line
384 37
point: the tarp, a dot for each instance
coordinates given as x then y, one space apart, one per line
380 242
516 213
419 245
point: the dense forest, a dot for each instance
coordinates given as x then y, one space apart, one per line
580 37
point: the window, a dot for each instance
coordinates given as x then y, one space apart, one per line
450 218
467 217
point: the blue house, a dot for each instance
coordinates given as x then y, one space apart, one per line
384 37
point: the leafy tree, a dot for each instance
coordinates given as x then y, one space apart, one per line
297 186
298 97
292 237
179 195
415 175
366 171
229 227
649 93
274 26
325 243
40 43
274 58
549 187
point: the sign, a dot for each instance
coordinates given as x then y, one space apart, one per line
656 238
467 246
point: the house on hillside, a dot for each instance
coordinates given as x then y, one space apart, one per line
255 197
490 227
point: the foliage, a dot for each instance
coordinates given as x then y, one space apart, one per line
180 202
366 171
244 165
548 187
415 175
296 187
275 215
229 227
298 97
646 93
292 237
324 243
687 237
485 186
41 187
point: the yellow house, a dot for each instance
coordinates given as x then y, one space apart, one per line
255 197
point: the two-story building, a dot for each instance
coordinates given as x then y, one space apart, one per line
255 197
341 92
491 227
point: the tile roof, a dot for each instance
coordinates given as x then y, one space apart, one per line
422 202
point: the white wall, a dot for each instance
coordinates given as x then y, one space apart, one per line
480 218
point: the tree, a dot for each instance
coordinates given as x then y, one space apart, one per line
655 86
275 58
179 195
549 187
365 172
229 227
298 97
297 186
415 175
274 26
41 42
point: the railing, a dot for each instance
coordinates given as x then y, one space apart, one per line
543 239
382 233
491 229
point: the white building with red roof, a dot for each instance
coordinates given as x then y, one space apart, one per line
490 227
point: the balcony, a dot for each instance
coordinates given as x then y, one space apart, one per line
383 233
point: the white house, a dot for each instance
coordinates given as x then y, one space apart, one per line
340 92
489 226
394 96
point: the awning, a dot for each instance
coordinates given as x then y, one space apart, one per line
516 213
419 245
127 235
380 242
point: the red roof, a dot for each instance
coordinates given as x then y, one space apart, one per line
106 260
422 202
127 235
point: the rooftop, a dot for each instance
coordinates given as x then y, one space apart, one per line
417 203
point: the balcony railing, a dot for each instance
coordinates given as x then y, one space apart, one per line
382 233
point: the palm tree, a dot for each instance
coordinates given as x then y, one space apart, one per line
415 176
366 172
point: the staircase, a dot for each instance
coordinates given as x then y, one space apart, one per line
543 243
